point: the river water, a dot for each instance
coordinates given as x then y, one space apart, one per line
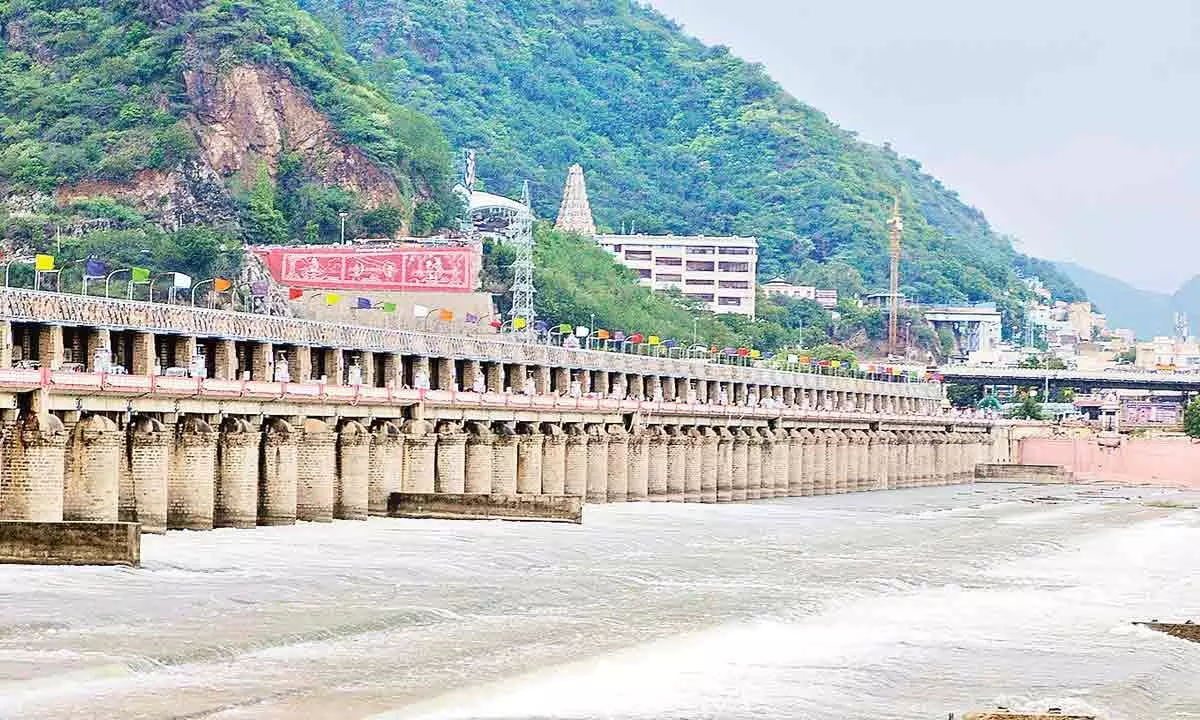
903 604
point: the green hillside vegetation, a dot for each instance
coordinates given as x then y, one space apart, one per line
676 137
96 91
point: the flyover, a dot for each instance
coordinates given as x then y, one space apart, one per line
1089 380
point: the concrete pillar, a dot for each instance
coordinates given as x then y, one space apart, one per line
941 459
554 450
235 496
562 380
843 462
387 466
420 457
450 459
472 372
659 459
741 457
694 469
639 466
277 494
636 388
479 459
316 461
31 471
366 364
541 380
504 460
351 490
92 469
193 472
447 379
597 465
808 469
709 464
96 338
262 362
618 464
782 456
577 461
677 452
225 360
517 378
701 394
862 454
301 366
795 463
142 494
754 458
50 346
143 360
529 459
908 460
600 382
493 376
831 453
925 459
653 387
183 350
767 461
724 465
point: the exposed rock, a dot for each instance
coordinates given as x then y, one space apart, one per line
250 115
190 193
168 11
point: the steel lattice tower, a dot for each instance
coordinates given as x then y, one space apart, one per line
520 236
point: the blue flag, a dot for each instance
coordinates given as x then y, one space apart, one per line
363 303
93 268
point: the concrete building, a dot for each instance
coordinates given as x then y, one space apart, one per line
975 328
718 271
1167 353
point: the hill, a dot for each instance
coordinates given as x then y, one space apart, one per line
240 115
1146 312
675 137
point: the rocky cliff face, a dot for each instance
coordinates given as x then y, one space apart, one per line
242 118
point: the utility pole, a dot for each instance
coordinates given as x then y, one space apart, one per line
896 228
521 237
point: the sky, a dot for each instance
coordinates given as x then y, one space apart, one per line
1073 124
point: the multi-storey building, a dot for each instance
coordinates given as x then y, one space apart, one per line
718 271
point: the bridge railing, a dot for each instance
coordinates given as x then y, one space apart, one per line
113 313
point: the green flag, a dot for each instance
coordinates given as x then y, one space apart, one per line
139 275
389 307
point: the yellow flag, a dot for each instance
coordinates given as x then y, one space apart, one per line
43 263
835 363
519 323
654 340
755 353
332 298
221 284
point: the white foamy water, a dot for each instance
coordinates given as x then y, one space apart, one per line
908 604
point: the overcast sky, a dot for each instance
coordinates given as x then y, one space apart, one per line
1073 124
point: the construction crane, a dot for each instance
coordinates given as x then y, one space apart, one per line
895 230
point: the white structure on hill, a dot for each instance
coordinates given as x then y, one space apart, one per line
575 213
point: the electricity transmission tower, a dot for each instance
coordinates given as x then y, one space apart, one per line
520 237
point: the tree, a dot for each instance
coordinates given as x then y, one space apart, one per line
1028 409
1126 357
964 396
263 222
1191 418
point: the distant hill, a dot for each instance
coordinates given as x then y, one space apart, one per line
1146 312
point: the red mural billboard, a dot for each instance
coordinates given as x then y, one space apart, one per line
392 268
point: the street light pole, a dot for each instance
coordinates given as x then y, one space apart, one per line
342 217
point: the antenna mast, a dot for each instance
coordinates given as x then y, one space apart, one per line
521 238
896 229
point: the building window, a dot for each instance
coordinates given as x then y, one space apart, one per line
729 301
699 266
700 251
693 281
637 254
735 267
735 284
706 297
672 261
643 273
669 277
737 251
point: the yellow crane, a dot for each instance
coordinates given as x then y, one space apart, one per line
895 230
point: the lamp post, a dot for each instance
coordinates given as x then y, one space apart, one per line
342 218
8 265
197 287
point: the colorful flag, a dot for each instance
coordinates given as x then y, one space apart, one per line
222 284
332 298
471 318
519 323
564 328
743 351
670 343
581 331
43 263
793 359
180 281
540 326
388 307
420 311
496 324
295 293
755 354
619 336
260 289
445 315
363 303
93 268
636 338
139 275
654 340
602 334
